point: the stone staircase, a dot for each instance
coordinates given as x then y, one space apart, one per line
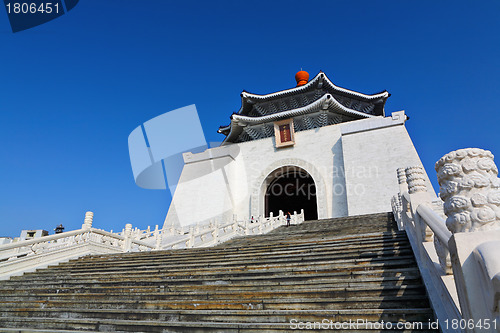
338 270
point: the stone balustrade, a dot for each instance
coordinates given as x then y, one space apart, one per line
19 257
217 232
459 257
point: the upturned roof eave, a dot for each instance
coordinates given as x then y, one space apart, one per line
320 76
238 119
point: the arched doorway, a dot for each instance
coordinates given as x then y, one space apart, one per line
291 189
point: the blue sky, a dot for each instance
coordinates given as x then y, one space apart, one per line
73 89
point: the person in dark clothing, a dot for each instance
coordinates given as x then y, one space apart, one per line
288 218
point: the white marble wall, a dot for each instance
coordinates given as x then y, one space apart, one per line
373 149
353 165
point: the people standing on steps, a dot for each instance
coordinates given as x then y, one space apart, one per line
288 218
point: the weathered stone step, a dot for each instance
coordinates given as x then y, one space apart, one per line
366 252
118 326
297 272
376 220
140 287
294 233
387 302
174 255
159 294
207 284
276 242
246 254
342 264
375 255
231 316
299 238
342 269
262 279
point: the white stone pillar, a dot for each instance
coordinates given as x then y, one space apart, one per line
191 236
415 178
87 223
159 237
247 227
470 189
128 237
215 232
397 199
403 186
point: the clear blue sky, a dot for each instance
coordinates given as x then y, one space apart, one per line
73 89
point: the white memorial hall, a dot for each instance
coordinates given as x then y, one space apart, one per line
315 213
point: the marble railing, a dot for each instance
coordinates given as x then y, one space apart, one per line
218 232
28 255
459 258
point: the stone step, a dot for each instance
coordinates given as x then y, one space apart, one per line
388 243
330 245
251 256
159 294
139 287
297 271
77 325
227 316
295 232
361 253
341 269
298 237
388 302
333 256
190 283
282 278
367 257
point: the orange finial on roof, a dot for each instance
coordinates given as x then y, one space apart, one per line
301 77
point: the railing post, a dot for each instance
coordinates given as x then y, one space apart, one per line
403 185
191 237
234 225
215 232
247 227
471 192
418 195
87 222
128 237
470 189
158 236
400 214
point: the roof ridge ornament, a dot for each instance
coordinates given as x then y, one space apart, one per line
302 77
